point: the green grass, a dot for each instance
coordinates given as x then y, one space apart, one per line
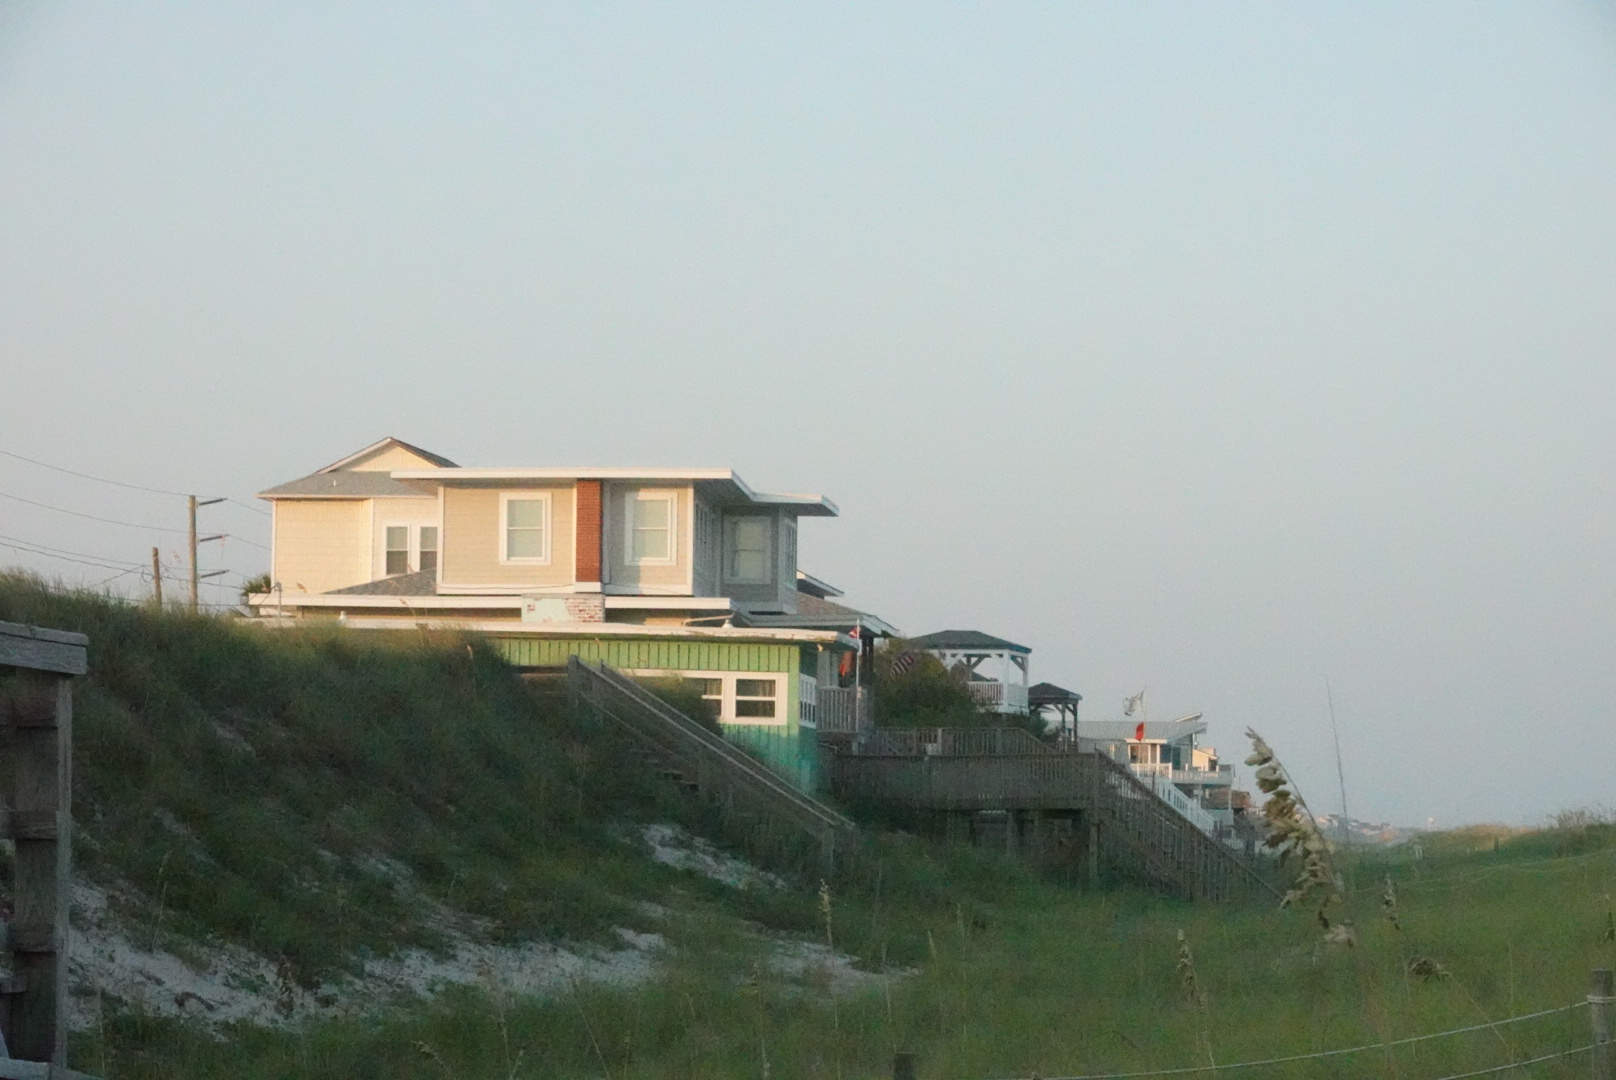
266 789
1018 977
309 792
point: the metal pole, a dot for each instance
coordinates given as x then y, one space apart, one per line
194 588
1600 994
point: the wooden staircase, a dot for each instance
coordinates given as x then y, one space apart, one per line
1118 819
701 761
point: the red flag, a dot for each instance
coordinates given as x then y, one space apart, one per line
1139 732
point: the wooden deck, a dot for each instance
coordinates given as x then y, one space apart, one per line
1103 814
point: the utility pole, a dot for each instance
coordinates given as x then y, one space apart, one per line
195 540
157 579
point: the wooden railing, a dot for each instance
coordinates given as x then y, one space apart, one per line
842 710
718 769
999 697
1007 769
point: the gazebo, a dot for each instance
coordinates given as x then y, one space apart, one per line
1064 702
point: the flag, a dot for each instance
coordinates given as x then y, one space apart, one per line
1139 732
903 662
1134 704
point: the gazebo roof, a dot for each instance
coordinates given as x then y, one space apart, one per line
1047 693
966 639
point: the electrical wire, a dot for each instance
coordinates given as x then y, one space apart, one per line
90 517
248 506
120 483
64 558
87 476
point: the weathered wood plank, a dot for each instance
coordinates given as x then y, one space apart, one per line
42 649
41 779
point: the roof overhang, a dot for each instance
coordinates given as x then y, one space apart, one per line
508 628
724 486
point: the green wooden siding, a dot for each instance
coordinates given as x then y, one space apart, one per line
782 747
636 655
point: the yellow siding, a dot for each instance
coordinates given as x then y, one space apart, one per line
470 540
394 457
673 579
321 544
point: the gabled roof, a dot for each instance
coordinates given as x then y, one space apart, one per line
968 640
343 480
1047 693
387 444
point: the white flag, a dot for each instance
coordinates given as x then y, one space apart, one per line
1134 704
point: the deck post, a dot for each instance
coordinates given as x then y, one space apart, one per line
1600 994
1093 849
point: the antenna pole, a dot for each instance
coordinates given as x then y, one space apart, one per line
1340 773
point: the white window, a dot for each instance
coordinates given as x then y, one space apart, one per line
428 549
755 698
525 532
746 550
398 550
650 527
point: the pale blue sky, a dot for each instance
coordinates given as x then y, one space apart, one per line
1208 348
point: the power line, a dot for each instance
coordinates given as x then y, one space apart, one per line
249 506
87 476
65 558
120 483
90 517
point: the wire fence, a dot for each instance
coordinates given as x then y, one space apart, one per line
1209 1068
904 1063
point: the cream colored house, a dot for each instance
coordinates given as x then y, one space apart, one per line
688 572
653 545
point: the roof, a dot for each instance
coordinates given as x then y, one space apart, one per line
349 485
966 639
384 444
420 583
723 486
1047 693
815 612
811 585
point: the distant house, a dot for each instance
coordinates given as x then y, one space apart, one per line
688 572
1169 753
995 669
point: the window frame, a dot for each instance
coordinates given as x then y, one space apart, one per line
388 550
421 549
731 520
631 499
546 532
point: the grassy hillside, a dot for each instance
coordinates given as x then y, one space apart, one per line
318 796
281 790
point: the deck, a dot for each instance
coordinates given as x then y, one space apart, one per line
1097 810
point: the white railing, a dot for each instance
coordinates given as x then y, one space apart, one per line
1162 785
999 697
843 709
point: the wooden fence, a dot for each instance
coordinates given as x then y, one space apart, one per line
36 783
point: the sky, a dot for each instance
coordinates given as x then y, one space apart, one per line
1224 351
